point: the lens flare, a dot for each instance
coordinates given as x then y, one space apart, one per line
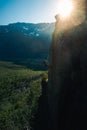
65 8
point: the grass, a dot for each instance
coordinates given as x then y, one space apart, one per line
18 103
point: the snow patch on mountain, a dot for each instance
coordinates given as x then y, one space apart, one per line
37 35
32 33
25 28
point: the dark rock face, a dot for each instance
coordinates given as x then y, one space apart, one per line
41 120
68 76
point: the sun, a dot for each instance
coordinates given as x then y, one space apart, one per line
65 8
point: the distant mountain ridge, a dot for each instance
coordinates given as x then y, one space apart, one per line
25 40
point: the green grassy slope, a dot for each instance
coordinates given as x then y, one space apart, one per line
19 92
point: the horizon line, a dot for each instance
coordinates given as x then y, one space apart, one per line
27 23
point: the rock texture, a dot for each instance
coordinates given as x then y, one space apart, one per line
68 72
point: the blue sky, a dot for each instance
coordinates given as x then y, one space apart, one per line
30 11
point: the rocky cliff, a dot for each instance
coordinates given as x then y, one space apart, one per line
68 72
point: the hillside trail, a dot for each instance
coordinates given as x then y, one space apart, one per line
28 81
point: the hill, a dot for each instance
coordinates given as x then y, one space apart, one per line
19 92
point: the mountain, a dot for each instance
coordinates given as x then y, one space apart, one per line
22 41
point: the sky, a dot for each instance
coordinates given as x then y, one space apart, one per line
29 11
